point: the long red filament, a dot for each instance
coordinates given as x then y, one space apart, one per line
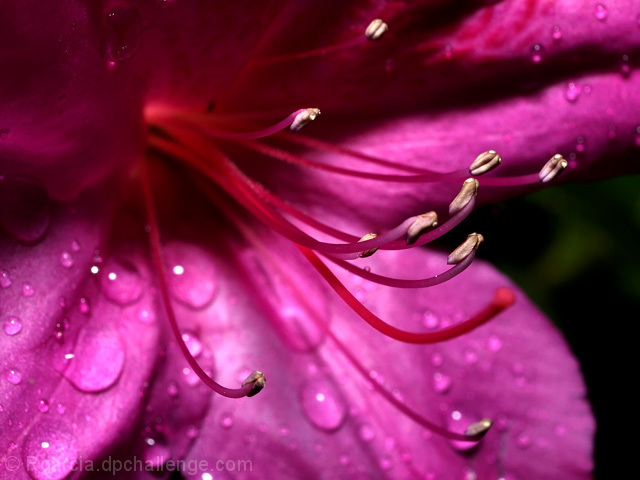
502 299
158 264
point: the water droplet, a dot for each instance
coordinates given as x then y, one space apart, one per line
27 290
5 280
625 67
536 53
436 359
12 326
156 453
146 315
580 146
430 320
66 260
470 356
523 441
572 92
323 404
121 282
173 389
601 12
458 422
43 406
385 462
83 306
448 51
25 207
192 277
284 431
226 420
75 246
50 450
441 383
193 343
14 376
494 343
556 32
366 433
121 33
99 359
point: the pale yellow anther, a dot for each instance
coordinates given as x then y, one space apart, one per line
257 381
303 118
467 192
485 162
479 429
368 253
420 226
553 168
376 30
465 249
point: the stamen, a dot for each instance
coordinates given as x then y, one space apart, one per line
503 298
304 118
485 162
376 29
423 223
251 385
469 190
466 248
368 253
553 168
479 429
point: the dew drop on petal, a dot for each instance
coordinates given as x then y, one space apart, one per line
193 343
83 306
536 53
523 441
5 279
226 420
494 343
121 32
156 453
458 422
192 274
66 260
25 213
430 320
12 326
43 406
572 92
366 433
27 290
385 462
323 404
61 408
50 450
14 376
75 246
441 383
470 356
98 360
121 282
601 12
556 32
172 389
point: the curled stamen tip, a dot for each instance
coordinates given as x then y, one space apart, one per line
257 381
368 253
479 429
376 29
485 162
305 117
420 226
553 168
467 192
465 249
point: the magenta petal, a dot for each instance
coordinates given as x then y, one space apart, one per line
318 415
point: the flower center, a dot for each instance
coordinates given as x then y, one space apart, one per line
203 145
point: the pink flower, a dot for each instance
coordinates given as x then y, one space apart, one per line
143 191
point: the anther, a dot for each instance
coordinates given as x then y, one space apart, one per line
257 382
420 226
552 168
303 118
376 29
479 429
465 249
467 192
485 162
368 253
